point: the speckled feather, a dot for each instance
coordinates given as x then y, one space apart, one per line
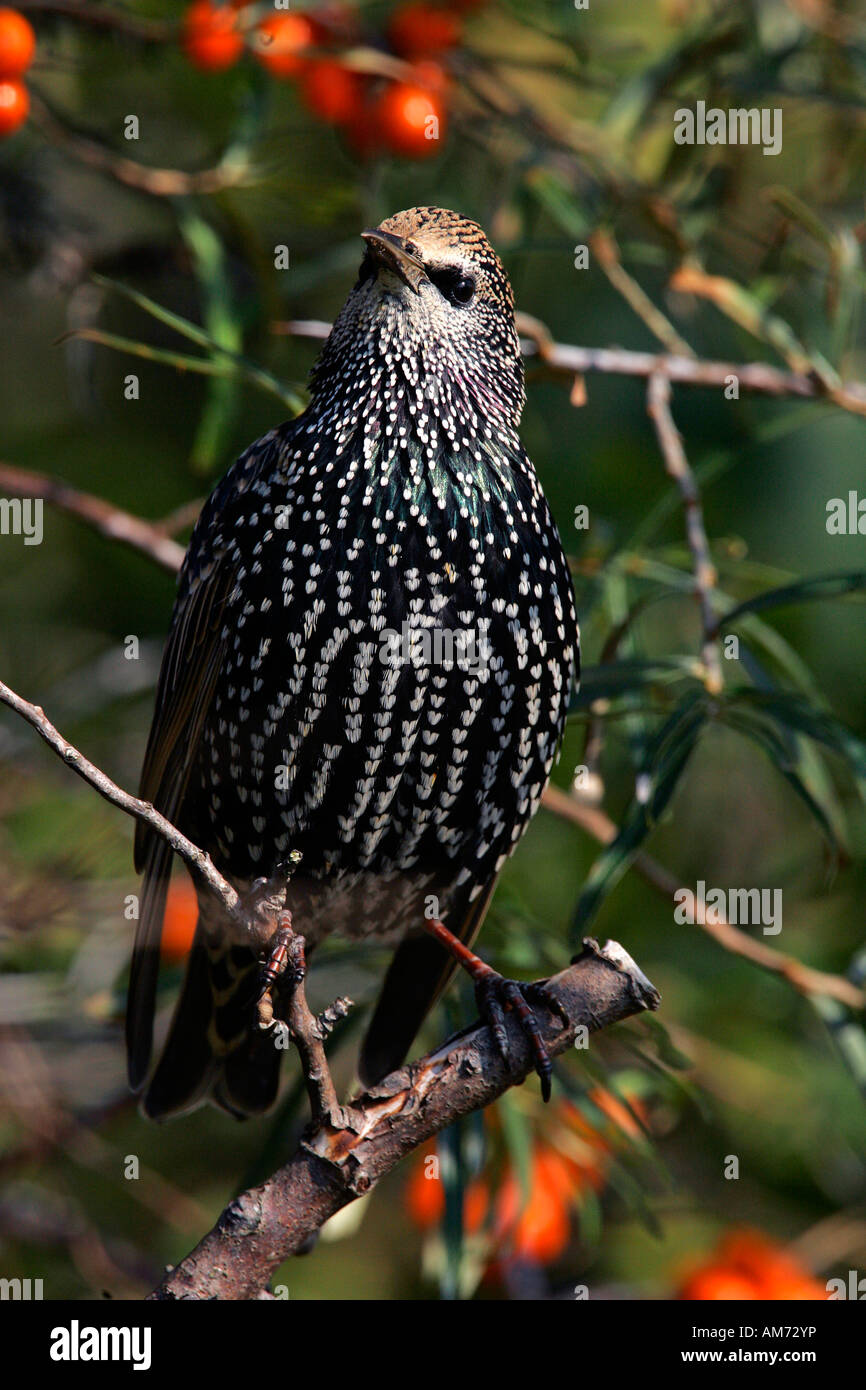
285 722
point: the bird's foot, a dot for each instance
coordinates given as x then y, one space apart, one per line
495 994
264 901
285 961
284 971
328 1019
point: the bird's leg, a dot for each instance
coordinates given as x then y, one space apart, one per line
494 994
283 973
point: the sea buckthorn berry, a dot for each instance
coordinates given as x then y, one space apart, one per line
210 37
14 106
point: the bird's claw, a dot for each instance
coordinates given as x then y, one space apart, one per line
494 994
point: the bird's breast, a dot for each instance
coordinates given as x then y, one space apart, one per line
398 653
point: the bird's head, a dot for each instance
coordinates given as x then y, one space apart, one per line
432 310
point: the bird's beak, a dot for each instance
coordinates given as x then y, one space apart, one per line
391 251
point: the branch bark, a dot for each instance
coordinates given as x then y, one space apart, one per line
200 864
677 466
569 361
334 1166
149 538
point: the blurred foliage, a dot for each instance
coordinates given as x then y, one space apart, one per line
560 132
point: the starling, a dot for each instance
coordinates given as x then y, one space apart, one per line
369 664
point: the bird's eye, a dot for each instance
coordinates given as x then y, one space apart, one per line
457 288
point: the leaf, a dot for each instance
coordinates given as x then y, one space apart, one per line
223 325
789 756
821 587
666 1048
558 201
795 712
613 678
667 756
664 1068
250 371
786 660
177 322
452 1170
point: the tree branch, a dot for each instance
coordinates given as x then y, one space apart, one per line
149 538
200 864
570 361
232 170
334 1166
677 465
804 978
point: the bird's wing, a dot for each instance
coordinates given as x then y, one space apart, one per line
190 665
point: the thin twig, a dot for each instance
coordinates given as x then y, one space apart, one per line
183 516
568 361
200 864
606 252
148 538
677 465
804 978
252 916
334 1166
161 183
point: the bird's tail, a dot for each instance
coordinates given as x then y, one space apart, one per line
215 1049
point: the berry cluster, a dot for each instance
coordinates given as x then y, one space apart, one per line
17 46
403 115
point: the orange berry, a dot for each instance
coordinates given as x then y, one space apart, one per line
210 36
331 91
418 30
769 1265
425 1196
179 921
425 1199
750 1259
280 41
540 1231
718 1283
410 120
14 106
17 44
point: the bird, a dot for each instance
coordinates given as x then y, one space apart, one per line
368 670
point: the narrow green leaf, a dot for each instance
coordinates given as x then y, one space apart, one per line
667 757
824 586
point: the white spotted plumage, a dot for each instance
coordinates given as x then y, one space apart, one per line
401 502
